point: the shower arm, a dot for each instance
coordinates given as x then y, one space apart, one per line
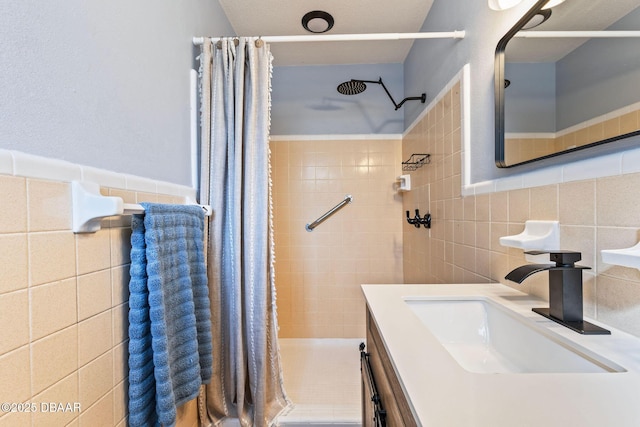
422 98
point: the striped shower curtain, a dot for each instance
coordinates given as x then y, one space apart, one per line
235 89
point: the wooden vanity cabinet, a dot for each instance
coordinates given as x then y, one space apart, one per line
383 401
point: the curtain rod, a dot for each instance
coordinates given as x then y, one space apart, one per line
566 34
352 37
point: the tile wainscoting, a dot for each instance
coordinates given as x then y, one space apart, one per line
63 296
596 202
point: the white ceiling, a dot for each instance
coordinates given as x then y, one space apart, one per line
572 15
284 17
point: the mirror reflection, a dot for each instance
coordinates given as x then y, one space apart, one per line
561 94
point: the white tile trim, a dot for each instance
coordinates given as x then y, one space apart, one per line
6 162
509 183
27 165
631 161
104 178
138 183
338 137
595 167
477 188
30 166
540 177
624 162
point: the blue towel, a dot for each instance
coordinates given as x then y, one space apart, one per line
170 349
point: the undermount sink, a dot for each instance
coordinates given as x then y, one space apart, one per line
485 337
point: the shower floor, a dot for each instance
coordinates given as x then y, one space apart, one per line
322 379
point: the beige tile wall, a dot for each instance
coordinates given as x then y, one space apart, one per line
318 274
63 307
462 245
518 150
523 149
624 123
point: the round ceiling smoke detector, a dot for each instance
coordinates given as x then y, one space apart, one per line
317 21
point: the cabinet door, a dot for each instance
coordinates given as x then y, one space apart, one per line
373 413
398 411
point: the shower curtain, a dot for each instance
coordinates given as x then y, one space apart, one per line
235 180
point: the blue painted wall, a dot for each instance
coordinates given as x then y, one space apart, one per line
305 100
431 64
606 70
103 84
596 78
530 99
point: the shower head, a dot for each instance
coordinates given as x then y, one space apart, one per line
352 87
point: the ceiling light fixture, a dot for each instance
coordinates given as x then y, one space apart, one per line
503 4
537 19
508 4
552 3
317 21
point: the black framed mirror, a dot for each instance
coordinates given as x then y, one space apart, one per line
557 95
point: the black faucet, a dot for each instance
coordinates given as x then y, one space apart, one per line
565 290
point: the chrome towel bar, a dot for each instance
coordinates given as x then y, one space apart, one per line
347 199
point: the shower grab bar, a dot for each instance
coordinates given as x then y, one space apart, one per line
347 199
89 207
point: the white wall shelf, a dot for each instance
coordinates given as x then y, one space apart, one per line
628 257
540 235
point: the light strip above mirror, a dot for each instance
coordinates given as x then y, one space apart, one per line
552 3
503 4
576 34
508 4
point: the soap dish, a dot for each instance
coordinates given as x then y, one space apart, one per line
404 183
629 257
540 235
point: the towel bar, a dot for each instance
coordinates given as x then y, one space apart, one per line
89 207
347 199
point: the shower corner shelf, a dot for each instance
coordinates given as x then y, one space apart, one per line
416 161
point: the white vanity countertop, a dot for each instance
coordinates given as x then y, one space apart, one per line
444 394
